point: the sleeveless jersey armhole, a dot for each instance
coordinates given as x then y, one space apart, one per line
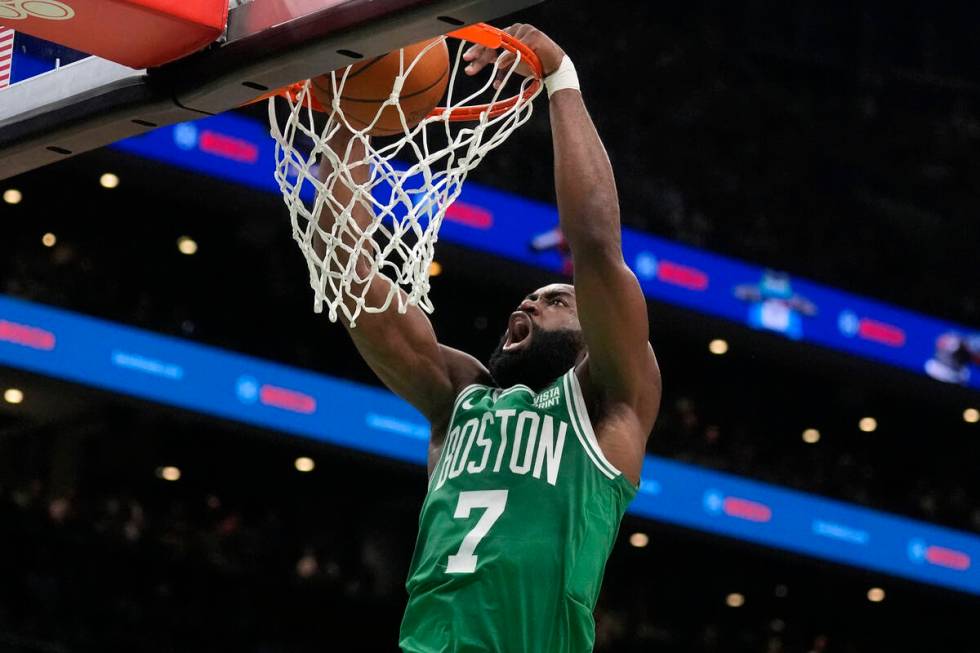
462 395
586 434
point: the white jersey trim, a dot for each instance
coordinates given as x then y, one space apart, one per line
461 396
583 428
515 388
581 416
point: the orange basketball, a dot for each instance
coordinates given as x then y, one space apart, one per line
371 82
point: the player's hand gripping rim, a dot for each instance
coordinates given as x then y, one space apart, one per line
479 57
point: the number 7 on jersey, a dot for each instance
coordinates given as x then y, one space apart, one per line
494 501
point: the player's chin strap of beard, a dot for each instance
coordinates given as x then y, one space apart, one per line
564 77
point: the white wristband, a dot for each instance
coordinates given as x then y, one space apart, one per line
564 77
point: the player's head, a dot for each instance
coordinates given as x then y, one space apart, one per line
542 341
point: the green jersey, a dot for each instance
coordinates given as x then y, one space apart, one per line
520 517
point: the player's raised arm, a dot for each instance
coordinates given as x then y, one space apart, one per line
620 375
611 306
621 372
400 348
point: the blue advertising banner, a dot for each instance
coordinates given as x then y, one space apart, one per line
240 150
175 372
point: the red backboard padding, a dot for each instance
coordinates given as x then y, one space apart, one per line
136 33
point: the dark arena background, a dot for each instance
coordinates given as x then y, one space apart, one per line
192 460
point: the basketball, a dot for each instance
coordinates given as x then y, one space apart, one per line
370 83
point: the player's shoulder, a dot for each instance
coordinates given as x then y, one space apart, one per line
464 371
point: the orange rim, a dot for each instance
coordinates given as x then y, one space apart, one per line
491 37
481 34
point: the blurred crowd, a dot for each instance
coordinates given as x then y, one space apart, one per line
105 573
112 570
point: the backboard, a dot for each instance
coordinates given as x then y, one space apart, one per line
61 102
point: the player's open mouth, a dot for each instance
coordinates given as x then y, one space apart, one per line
518 331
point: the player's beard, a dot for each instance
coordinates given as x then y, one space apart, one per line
550 354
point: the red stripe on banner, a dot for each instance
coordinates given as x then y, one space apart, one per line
26 336
291 400
682 275
877 331
745 509
469 215
939 555
228 147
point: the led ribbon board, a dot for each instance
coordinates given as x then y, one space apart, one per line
208 380
239 149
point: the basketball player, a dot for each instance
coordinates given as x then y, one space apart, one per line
534 457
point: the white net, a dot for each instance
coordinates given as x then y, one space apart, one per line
369 263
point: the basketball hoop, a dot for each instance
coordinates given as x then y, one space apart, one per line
408 199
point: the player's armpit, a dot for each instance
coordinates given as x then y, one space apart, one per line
403 351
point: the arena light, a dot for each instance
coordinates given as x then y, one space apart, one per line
304 464
13 395
109 180
187 245
718 347
639 540
971 415
868 424
735 600
811 436
435 269
12 196
876 595
169 473
49 239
